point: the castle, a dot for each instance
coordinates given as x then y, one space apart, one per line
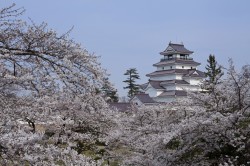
176 73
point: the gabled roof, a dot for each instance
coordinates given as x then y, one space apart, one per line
175 49
177 61
156 84
195 73
144 86
172 93
144 98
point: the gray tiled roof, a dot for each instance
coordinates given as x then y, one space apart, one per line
191 73
156 84
167 72
173 93
177 48
159 84
177 61
144 86
185 72
144 98
120 106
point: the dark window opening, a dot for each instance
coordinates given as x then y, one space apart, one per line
170 56
182 56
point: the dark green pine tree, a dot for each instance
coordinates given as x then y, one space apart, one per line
131 81
213 70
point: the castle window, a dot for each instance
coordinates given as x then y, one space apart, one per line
171 67
182 56
162 68
183 67
170 56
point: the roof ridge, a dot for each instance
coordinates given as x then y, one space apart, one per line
180 44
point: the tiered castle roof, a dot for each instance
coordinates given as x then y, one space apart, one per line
184 72
187 61
175 49
176 72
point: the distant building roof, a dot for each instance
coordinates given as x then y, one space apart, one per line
120 106
144 98
175 49
177 61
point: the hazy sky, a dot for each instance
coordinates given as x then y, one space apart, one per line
131 33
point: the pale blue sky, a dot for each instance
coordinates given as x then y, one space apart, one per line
131 33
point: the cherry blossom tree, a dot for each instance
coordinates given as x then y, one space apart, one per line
53 110
51 101
205 129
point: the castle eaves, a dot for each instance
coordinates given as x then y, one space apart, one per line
176 61
184 72
176 49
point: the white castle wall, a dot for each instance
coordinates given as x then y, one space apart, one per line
167 67
168 77
193 81
153 92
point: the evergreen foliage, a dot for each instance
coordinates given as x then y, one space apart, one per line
213 70
131 81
